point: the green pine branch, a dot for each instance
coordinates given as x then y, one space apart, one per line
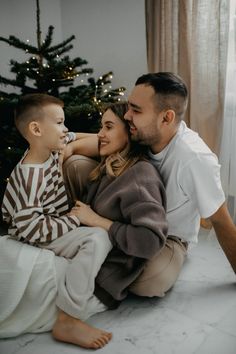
17 43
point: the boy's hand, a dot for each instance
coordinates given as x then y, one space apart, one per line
67 151
89 217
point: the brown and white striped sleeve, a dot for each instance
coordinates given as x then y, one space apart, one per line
34 203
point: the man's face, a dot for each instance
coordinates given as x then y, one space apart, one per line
143 117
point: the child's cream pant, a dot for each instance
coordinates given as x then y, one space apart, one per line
85 249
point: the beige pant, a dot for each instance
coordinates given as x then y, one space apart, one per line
162 271
85 248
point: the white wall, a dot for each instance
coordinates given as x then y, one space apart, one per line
110 34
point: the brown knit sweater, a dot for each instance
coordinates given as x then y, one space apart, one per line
136 201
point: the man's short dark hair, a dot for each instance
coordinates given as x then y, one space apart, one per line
170 89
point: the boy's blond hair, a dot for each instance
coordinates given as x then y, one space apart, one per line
29 108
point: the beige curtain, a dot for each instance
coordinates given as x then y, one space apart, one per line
189 37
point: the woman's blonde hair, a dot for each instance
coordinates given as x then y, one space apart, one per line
115 164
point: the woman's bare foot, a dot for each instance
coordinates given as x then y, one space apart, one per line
72 330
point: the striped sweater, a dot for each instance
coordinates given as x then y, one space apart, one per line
35 203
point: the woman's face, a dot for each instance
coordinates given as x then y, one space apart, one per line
113 135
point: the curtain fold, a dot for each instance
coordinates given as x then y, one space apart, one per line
189 37
228 145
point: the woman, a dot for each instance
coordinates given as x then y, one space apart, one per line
126 198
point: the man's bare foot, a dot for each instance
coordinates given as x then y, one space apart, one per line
72 330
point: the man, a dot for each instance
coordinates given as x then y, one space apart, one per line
190 172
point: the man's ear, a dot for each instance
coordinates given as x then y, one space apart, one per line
34 128
169 116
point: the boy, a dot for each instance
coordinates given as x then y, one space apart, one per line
35 206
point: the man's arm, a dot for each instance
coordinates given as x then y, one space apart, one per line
226 233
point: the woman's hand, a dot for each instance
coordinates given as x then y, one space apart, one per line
89 217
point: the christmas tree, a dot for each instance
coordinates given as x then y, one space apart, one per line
48 70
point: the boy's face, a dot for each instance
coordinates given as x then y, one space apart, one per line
53 130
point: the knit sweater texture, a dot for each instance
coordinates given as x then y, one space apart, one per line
136 202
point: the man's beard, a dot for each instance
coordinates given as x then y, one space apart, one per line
147 140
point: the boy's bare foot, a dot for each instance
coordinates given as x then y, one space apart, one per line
72 330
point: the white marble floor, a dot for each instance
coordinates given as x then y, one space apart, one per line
197 316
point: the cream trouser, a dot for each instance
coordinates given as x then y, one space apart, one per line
162 271
85 249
